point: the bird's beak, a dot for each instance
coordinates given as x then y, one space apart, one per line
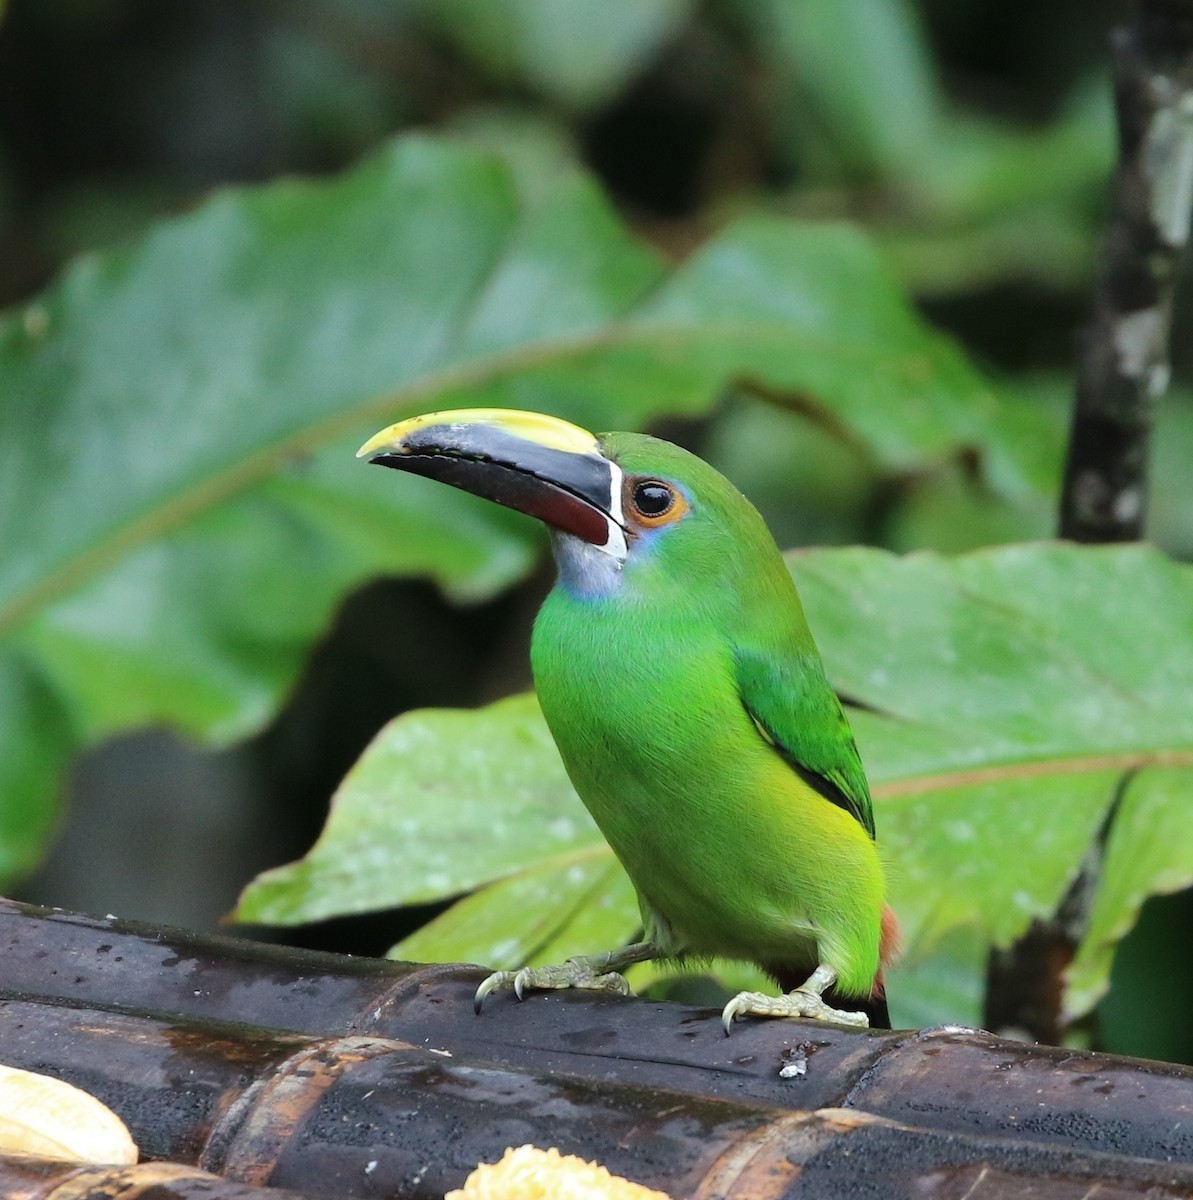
527 461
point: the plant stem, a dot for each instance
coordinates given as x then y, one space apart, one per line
1123 363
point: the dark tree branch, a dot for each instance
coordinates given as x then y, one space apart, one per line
1123 365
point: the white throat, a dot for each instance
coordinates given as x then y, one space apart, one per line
588 569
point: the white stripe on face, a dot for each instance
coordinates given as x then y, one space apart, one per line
615 544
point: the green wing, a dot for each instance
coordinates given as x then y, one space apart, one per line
797 711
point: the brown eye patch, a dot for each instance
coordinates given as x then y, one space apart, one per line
654 502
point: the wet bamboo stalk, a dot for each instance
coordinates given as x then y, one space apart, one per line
365 1116
953 1080
109 963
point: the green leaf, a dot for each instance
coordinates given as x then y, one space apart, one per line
1149 853
578 55
1008 695
206 628
948 513
441 802
991 855
859 74
1001 204
569 904
847 353
180 509
35 734
1010 692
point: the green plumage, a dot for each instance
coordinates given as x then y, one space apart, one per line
655 691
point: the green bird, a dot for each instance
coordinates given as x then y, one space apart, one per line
682 686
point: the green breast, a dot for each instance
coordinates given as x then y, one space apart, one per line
647 719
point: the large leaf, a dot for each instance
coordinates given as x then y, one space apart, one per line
979 201
858 75
1009 694
469 812
179 504
1149 852
483 797
1014 692
578 55
540 915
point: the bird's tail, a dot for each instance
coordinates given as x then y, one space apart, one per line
888 949
888 939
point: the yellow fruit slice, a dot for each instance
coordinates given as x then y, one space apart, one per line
44 1116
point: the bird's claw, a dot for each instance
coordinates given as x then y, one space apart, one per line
575 973
492 983
799 1003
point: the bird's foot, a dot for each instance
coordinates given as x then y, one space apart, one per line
799 1003
598 973
806 1001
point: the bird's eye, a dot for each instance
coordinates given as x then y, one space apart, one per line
651 502
653 499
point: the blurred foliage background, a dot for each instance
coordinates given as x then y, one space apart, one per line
971 140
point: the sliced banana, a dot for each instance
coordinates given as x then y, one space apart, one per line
47 1117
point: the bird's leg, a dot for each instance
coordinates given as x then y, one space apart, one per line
598 972
806 1001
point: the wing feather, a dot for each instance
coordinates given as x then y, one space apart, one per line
795 709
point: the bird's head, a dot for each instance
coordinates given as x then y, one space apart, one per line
613 501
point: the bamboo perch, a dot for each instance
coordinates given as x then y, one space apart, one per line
378 1117
377 1079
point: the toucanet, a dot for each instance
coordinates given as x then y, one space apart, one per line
680 681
